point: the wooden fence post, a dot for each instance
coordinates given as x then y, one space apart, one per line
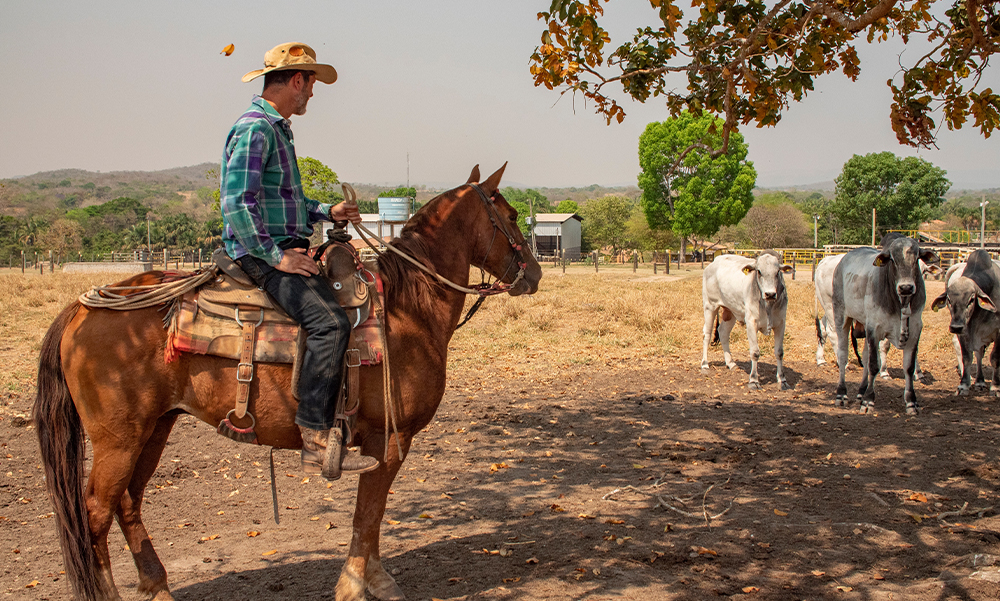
815 255
52 266
668 262
563 251
635 261
165 258
596 256
22 262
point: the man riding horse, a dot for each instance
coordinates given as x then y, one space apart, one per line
267 223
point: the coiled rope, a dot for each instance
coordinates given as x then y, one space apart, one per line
126 298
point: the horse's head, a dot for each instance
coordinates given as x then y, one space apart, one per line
501 249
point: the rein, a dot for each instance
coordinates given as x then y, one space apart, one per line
482 290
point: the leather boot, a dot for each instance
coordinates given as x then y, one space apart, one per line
319 456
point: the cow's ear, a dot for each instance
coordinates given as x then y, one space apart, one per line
748 269
933 269
940 302
985 302
928 256
881 259
787 268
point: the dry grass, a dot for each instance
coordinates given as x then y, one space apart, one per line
613 319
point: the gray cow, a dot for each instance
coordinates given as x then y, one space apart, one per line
750 291
884 290
972 299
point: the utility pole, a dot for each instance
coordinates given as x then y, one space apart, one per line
531 201
873 226
982 222
149 245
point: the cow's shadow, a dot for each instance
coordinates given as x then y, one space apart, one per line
766 372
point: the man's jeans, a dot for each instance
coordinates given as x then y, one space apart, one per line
310 302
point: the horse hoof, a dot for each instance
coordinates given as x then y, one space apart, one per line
350 587
380 584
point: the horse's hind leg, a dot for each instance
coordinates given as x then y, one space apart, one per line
152 574
114 460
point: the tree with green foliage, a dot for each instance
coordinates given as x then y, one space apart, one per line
750 59
319 182
693 192
567 206
640 236
528 196
523 211
774 222
605 220
903 192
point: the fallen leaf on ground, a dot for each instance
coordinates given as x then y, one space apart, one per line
425 516
556 508
271 552
531 560
818 573
498 466
212 537
919 497
638 466
750 589
393 522
331 526
780 512
845 589
32 584
614 521
587 517
515 579
704 551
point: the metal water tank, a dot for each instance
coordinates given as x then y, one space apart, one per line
394 210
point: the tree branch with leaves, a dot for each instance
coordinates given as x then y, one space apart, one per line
748 62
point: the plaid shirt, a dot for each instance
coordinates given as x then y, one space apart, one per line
261 190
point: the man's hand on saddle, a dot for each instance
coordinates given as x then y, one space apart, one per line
295 260
345 211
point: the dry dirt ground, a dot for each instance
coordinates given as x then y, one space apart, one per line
579 453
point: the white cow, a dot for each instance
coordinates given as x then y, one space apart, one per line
750 291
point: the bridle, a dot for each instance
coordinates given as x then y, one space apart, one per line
484 289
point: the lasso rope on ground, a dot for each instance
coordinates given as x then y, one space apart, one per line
150 295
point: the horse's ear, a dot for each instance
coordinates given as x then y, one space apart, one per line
474 176
492 183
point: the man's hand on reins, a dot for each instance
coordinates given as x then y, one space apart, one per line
345 211
295 260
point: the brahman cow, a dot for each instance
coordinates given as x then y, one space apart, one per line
824 325
884 290
750 291
972 295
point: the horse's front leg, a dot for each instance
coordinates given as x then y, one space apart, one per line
363 569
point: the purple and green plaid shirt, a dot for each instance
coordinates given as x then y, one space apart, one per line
261 189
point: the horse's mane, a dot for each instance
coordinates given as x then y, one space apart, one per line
402 281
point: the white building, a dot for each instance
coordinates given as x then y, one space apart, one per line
556 232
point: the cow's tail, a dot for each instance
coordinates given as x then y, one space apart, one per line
854 344
61 438
821 340
715 330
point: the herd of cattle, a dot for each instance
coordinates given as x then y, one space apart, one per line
874 293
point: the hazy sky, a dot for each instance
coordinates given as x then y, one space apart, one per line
125 85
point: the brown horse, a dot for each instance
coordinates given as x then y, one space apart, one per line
103 372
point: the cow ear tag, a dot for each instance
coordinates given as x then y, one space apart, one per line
879 261
748 269
985 303
787 268
939 302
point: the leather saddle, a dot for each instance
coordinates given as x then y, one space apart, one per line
232 317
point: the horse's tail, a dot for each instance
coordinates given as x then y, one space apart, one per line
61 438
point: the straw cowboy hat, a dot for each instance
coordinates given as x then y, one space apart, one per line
293 55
